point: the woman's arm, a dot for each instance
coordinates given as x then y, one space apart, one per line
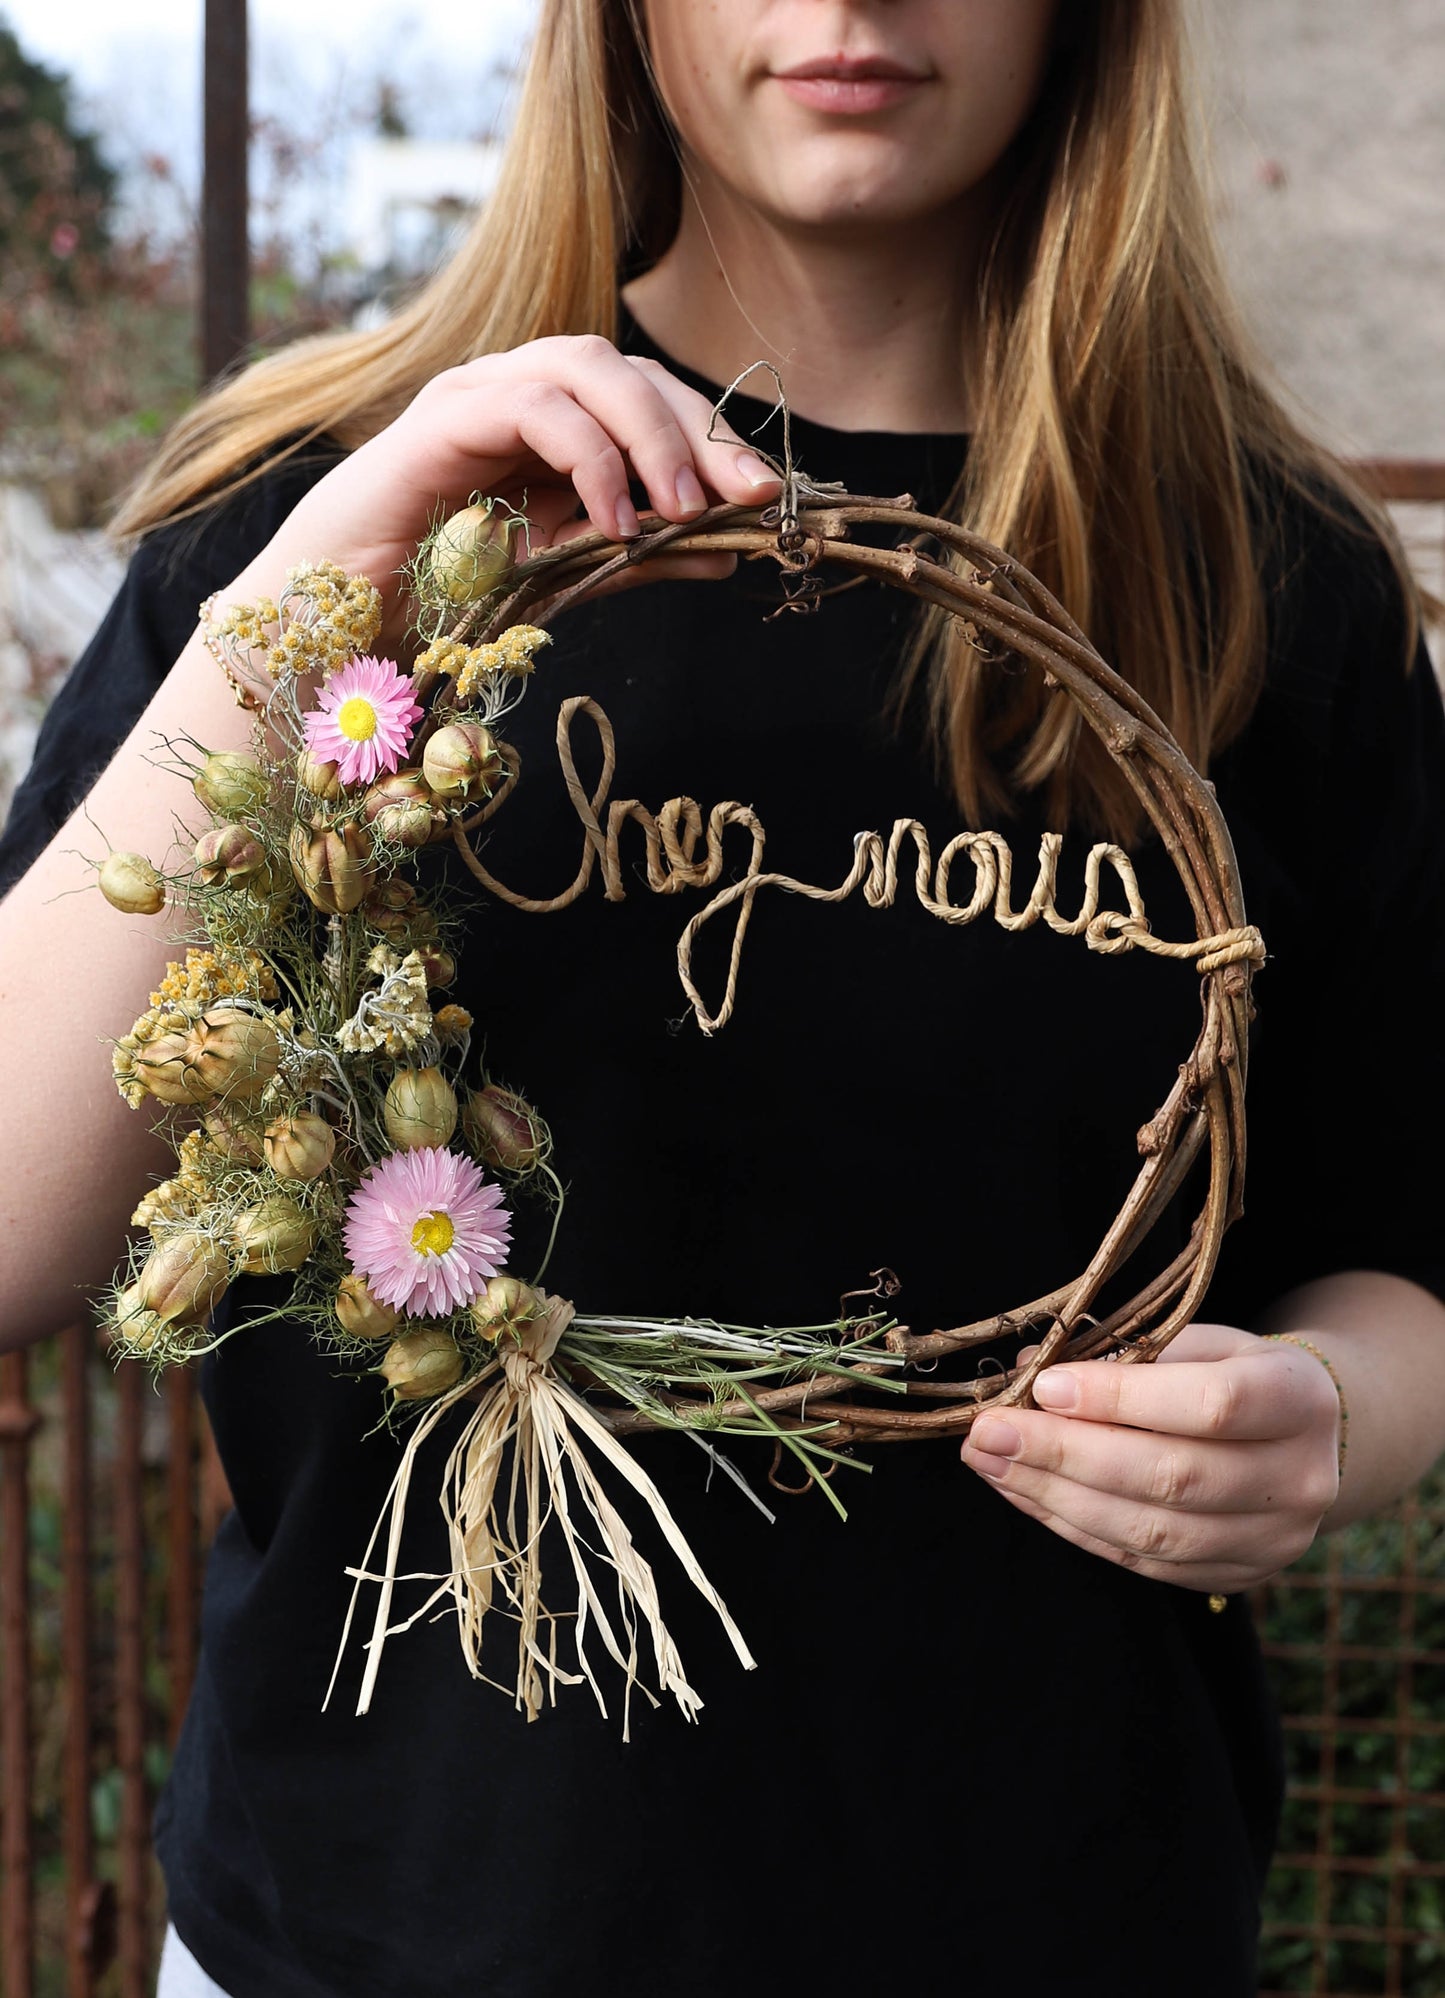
1385 1338
74 973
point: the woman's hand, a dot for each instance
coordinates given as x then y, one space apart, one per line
1211 1469
554 427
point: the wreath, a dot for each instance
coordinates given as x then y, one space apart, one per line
330 1120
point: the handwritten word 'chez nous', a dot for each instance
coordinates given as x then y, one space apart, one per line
685 851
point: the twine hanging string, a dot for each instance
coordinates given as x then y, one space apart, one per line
797 552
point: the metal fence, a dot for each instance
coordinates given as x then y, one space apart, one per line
1356 1639
108 1493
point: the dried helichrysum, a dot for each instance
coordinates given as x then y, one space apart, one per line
452 1023
513 652
396 1014
323 619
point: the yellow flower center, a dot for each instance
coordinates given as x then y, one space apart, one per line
356 718
433 1235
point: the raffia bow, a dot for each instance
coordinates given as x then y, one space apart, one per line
518 1463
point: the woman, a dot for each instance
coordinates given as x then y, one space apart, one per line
999 1738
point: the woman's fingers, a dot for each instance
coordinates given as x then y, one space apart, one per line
1037 1454
1208 1568
652 424
1217 1467
1251 1396
728 466
543 426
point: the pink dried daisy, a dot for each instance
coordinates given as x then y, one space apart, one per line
363 720
426 1231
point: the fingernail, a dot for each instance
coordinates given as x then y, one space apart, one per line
625 514
1057 1388
999 1438
690 496
755 471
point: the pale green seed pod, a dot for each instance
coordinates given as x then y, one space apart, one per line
420 1109
316 775
231 783
229 854
507 1305
461 762
274 1235
333 865
183 1279
300 1146
129 883
504 1130
361 1314
471 554
421 1364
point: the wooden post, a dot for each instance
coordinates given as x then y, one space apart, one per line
225 240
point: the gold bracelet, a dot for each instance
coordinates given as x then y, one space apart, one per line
1218 1602
1309 1346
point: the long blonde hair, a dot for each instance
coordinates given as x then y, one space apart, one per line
1125 449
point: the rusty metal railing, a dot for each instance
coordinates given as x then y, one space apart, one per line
97 1662
1356 1637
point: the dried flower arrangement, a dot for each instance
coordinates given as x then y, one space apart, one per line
329 1122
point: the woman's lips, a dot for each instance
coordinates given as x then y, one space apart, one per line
850 95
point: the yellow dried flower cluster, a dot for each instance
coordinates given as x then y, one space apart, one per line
209 975
250 625
443 655
452 1023
183 1197
324 618
512 652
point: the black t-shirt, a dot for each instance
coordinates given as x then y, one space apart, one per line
973 1757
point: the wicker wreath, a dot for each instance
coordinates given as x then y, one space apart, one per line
1012 614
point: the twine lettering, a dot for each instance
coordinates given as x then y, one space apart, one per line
674 863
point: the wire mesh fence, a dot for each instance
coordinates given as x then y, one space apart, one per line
1355 1637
